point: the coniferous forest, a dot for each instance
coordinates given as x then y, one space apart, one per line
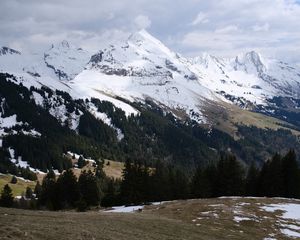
165 158
278 177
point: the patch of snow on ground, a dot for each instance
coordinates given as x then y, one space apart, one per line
130 209
290 210
124 209
240 219
9 122
290 233
38 98
32 133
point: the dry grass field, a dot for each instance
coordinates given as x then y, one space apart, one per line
19 187
208 219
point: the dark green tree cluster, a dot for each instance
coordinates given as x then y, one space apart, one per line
81 162
6 198
141 184
225 178
68 192
278 177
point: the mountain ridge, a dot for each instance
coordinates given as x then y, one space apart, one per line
143 68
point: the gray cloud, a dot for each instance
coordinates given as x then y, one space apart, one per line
220 27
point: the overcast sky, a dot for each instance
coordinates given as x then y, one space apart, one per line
219 27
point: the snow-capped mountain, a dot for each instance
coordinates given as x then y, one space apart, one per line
54 96
51 68
143 68
65 60
248 76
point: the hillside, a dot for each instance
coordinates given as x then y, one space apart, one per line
39 125
138 99
222 218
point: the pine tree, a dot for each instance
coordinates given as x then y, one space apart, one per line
28 193
271 178
291 177
230 180
6 198
37 189
160 183
134 187
204 182
179 184
68 189
111 197
49 196
13 180
89 188
81 162
251 188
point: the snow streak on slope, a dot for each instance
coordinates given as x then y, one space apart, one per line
105 119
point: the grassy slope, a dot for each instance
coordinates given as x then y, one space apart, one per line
174 220
17 188
114 169
226 116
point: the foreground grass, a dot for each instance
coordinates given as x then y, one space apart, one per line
231 218
22 224
206 219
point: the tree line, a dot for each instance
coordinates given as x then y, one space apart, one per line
278 177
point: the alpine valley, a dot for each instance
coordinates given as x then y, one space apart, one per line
139 99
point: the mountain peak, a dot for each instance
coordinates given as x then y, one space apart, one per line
65 44
141 35
250 62
145 41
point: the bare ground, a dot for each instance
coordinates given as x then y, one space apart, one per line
190 219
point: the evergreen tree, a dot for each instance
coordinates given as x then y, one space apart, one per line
134 187
6 198
251 188
179 184
111 197
204 182
160 183
81 162
37 189
271 178
230 174
49 196
291 176
89 188
28 193
13 180
68 189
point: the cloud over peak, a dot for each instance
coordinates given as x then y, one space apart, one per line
220 27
